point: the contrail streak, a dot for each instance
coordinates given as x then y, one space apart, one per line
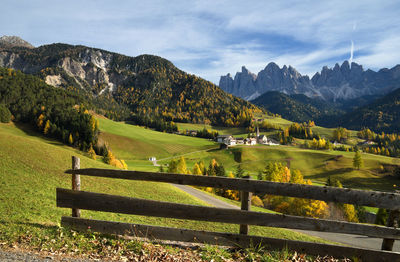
351 52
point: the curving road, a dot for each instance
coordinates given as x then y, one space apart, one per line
347 239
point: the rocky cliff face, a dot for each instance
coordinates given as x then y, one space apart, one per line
14 41
146 88
338 83
65 65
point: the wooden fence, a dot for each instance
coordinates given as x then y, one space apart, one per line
77 200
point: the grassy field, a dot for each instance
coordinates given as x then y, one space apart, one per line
31 168
323 131
132 142
136 144
316 165
220 129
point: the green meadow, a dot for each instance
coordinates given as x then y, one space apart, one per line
32 167
135 144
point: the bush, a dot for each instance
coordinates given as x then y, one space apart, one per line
256 201
5 114
381 217
237 155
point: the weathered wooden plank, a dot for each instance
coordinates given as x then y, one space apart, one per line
394 215
329 194
245 205
126 205
227 239
76 182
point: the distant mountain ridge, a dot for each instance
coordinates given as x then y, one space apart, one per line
383 114
338 83
298 107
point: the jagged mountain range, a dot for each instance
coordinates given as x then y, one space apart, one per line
151 86
338 83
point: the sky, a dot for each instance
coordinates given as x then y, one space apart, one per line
213 38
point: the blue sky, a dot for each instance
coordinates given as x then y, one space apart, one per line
213 38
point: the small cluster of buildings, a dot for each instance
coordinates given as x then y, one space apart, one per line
229 140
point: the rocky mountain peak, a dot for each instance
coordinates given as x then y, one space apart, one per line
345 81
272 67
336 68
14 41
345 67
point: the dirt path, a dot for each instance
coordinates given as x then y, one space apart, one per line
11 256
347 239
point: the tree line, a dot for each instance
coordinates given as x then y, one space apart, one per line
53 111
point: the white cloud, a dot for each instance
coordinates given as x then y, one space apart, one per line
384 54
211 38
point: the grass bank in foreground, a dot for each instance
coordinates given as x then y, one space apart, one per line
31 168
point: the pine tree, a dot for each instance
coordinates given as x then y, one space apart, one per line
172 166
5 114
239 171
357 160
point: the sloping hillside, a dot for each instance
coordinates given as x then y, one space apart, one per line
381 115
152 87
299 108
31 168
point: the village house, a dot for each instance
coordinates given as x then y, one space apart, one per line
250 141
262 139
191 132
230 141
221 138
369 143
272 142
240 141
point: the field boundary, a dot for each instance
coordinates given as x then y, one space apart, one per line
78 200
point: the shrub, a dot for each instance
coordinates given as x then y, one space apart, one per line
237 155
381 217
256 201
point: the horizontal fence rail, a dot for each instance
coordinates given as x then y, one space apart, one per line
134 206
77 200
227 239
328 194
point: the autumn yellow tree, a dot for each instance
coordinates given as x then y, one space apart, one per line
70 139
296 206
196 170
181 166
92 153
40 121
46 127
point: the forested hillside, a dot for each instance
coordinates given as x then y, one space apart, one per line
381 115
299 108
56 112
147 89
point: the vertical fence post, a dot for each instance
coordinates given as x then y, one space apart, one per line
387 244
246 205
76 183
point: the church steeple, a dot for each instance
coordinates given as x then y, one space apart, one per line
258 131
